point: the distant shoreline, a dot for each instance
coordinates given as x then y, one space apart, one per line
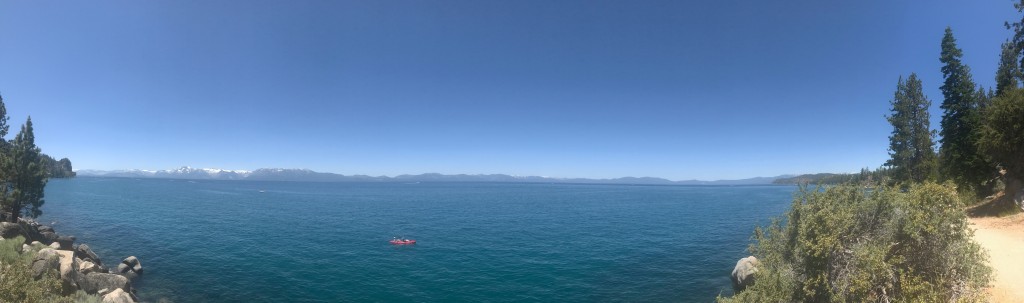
305 175
595 182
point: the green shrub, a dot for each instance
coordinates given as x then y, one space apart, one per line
848 244
17 284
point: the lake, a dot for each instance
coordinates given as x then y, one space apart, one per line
252 241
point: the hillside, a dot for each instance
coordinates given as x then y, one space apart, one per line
283 174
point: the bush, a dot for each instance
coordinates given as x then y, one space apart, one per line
17 284
848 244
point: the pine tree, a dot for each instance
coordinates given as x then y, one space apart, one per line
984 99
959 159
1017 42
26 176
3 120
911 150
6 184
1002 138
1008 73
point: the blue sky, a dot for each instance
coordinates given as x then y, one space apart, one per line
600 89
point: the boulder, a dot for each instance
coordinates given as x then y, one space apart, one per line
25 248
45 261
94 282
31 229
10 230
47 237
68 271
87 267
55 245
131 275
118 296
83 251
46 253
130 264
66 242
44 228
743 274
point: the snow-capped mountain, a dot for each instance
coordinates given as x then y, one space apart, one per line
184 172
289 174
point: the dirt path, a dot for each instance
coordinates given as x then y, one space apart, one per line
1004 240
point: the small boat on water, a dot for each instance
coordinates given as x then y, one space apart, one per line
397 241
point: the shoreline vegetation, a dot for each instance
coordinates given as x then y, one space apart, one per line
36 263
903 232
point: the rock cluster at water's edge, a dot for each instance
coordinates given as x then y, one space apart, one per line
78 266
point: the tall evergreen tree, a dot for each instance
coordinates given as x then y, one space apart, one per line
26 176
1003 139
959 159
911 150
1008 74
984 99
3 120
1018 33
6 184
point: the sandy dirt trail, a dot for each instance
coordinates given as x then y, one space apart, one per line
1003 238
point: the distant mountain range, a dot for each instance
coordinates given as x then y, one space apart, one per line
282 174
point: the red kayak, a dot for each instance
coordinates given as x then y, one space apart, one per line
402 242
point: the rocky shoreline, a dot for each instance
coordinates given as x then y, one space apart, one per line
78 266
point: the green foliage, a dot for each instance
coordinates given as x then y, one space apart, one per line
865 177
1017 41
25 175
959 158
846 244
912 157
1008 73
16 282
81 297
4 128
1002 135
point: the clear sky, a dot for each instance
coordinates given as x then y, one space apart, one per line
600 89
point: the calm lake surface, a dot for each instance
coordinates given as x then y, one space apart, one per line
226 241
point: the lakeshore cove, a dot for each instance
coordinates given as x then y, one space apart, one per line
266 241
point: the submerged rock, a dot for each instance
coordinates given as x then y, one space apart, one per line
130 264
743 274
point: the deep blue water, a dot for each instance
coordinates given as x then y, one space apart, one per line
225 241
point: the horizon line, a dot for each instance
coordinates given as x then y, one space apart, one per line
452 174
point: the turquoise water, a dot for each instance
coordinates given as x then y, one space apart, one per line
225 241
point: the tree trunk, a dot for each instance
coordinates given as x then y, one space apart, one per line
15 211
1014 190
